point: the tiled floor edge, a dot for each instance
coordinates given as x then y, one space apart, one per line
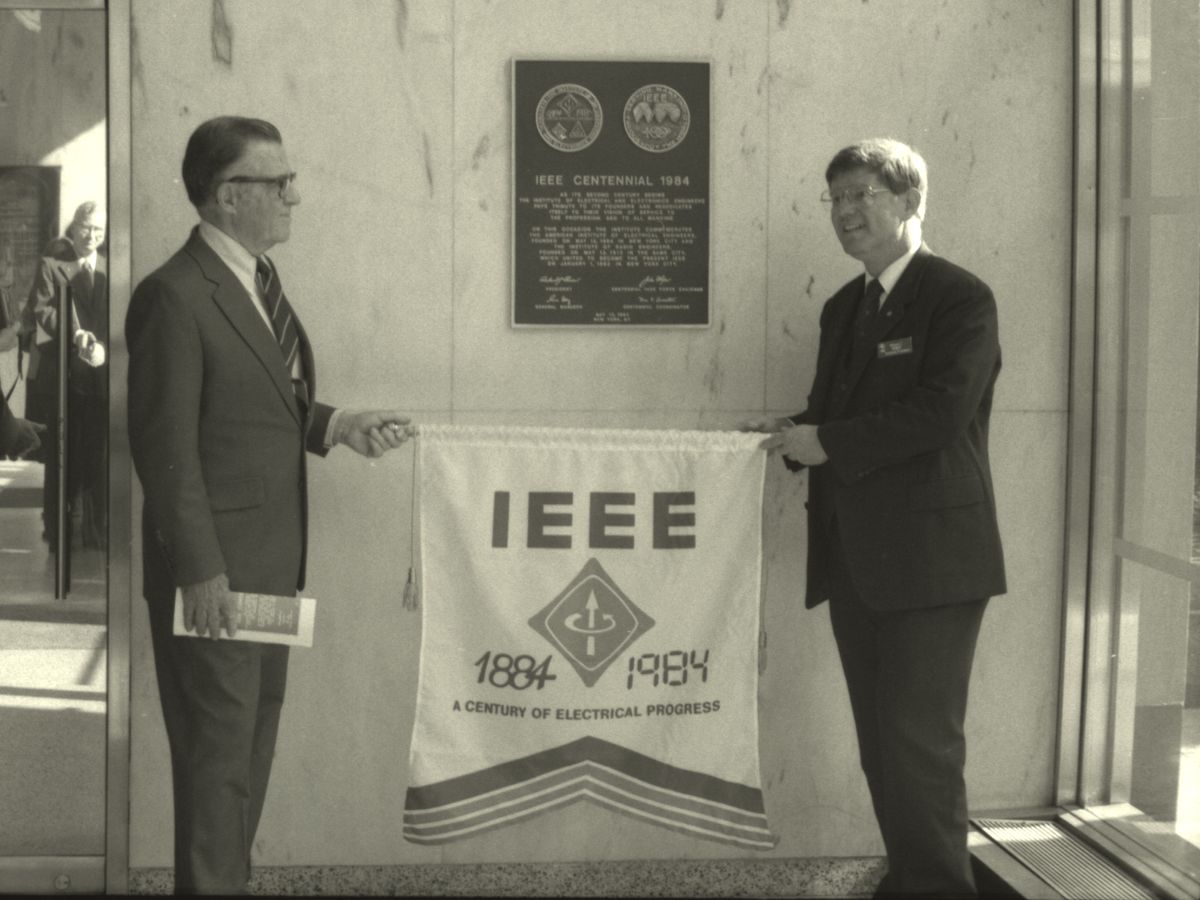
808 877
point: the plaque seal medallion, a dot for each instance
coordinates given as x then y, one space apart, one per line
656 117
569 117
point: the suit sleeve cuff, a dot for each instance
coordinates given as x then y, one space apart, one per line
320 436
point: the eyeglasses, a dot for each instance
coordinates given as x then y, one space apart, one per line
853 196
281 182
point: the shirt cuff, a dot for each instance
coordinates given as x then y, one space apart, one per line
331 428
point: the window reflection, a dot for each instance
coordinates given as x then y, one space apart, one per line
1156 718
53 592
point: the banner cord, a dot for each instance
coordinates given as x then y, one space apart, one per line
412 600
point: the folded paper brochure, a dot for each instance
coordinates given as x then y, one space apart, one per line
265 619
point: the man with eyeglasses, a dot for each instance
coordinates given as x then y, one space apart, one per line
222 409
72 269
902 534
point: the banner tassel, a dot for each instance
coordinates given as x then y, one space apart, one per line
411 600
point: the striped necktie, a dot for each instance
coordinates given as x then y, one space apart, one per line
283 323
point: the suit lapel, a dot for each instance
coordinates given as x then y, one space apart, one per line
841 309
230 297
100 280
307 363
100 294
91 295
80 293
80 283
904 292
891 314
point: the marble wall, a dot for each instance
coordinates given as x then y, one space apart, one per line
396 114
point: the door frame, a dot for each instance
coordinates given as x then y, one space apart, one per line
108 873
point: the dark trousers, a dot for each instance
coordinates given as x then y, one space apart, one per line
87 465
221 702
907 673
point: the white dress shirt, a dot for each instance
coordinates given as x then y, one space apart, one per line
889 276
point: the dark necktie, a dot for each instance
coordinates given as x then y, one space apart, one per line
868 307
870 302
283 323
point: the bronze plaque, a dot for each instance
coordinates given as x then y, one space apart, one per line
610 193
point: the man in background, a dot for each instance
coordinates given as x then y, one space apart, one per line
72 271
902 533
222 409
10 310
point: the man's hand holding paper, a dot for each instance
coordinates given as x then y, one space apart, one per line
209 605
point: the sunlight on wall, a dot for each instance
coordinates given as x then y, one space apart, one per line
83 170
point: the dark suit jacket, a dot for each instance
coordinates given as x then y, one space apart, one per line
908 482
8 429
217 437
58 270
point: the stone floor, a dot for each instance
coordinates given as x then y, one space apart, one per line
823 877
53 659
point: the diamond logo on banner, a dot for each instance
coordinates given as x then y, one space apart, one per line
591 622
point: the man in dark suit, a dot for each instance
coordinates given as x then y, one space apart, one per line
222 408
73 267
902 532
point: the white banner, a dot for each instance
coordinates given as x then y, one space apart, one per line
591 604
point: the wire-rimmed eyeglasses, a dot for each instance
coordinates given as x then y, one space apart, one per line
857 196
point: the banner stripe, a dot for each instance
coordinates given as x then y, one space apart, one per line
589 748
646 792
647 795
587 787
546 804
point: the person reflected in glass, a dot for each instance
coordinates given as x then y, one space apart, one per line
72 266
10 311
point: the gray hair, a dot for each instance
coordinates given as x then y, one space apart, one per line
86 210
900 166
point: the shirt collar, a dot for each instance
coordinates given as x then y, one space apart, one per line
889 276
240 260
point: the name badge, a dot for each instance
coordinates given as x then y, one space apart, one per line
894 348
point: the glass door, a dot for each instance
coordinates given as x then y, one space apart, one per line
54 372
1141 723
